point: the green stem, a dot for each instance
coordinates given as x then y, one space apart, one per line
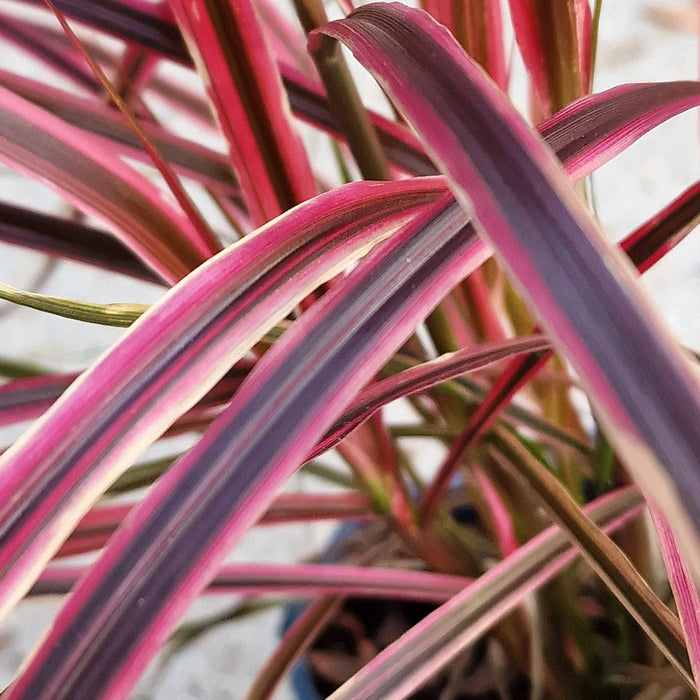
343 97
595 25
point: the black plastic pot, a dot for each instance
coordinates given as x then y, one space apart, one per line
374 623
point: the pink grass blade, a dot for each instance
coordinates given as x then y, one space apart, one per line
520 371
305 507
204 237
146 23
478 26
308 99
647 244
98 524
26 398
95 180
230 52
502 521
584 39
548 34
684 589
207 500
610 121
436 640
196 161
289 41
494 58
638 378
422 377
49 48
302 580
295 641
171 357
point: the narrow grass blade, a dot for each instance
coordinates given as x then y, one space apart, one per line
598 127
498 397
49 48
295 641
647 244
169 359
478 26
422 377
298 580
230 52
97 526
116 314
199 230
193 160
553 36
684 590
146 23
67 239
95 180
440 637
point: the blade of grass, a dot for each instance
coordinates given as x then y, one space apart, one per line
431 644
94 179
192 159
59 237
297 580
205 236
295 641
244 86
421 377
548 33
169 359
96 527
116 314
205 502
647 244
684 590
584 291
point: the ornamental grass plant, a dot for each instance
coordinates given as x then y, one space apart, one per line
331 286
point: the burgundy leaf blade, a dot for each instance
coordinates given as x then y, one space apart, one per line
230 51
610 121
171 357
206 501
59 237
304 580
95 180
97 118
583 289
